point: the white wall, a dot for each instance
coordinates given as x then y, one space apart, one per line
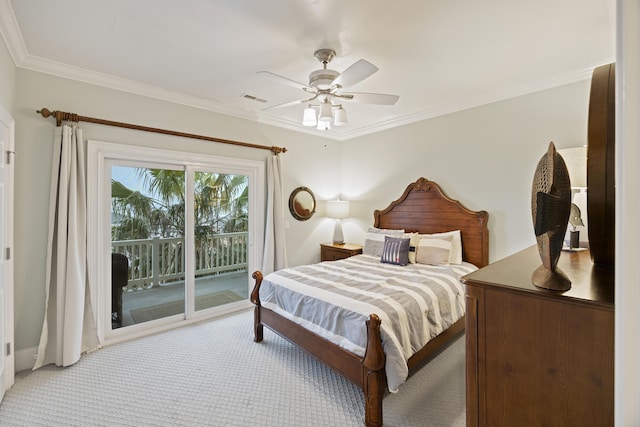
484 157
7 78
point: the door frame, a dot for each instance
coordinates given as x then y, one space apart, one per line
7 129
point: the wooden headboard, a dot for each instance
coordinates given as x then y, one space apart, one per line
426 209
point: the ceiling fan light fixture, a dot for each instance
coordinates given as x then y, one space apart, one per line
309 117
322 79
325 112
340 118
326 85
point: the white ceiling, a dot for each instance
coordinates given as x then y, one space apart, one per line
439 56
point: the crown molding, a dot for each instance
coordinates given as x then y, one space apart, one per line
128 86
11 33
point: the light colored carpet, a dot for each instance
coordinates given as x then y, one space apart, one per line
213 374
152 312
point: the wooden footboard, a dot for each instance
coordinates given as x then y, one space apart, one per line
366 372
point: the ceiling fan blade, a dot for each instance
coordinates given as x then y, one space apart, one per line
357 72
291 103
284 80
370 98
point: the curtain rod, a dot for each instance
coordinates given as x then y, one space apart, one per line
61 115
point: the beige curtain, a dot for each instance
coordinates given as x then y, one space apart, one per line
275 252
69 327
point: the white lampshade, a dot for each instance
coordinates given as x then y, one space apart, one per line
340 117
323 125
325 112
309 117
576 161
338 209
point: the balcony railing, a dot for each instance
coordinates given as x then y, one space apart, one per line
157 261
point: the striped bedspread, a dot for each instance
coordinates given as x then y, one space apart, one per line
334 299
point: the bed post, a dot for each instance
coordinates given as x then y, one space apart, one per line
374 380
255 298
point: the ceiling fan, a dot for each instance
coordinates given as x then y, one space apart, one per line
326 84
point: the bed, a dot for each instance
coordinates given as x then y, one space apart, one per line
423 208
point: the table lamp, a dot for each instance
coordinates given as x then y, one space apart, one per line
338 209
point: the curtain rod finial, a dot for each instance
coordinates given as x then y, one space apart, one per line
278 150
44 112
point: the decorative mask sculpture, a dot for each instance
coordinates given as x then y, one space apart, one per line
550 209
575 217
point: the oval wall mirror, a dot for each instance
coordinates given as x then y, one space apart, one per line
302 203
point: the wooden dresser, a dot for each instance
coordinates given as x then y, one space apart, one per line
537 357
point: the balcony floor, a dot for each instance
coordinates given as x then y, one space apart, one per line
237 282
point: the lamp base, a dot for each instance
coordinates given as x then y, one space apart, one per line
338 238
574 239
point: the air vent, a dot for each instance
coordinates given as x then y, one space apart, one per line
253 98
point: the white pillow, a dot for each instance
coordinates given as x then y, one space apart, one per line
413 245
455 255
433 250
374 240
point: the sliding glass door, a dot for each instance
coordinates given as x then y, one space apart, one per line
147 243
220 234
167 275
175 232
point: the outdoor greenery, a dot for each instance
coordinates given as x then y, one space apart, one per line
221 205
158 211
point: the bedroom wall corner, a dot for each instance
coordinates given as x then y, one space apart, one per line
7 78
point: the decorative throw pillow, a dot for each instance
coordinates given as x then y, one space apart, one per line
395 251
433 250
374 240
413 244
455 255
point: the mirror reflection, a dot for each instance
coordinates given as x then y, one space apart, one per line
576 160
302 203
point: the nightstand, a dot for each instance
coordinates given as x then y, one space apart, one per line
332 252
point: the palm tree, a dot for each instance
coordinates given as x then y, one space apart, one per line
131 211
221 203
220 206
168 188
238 219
